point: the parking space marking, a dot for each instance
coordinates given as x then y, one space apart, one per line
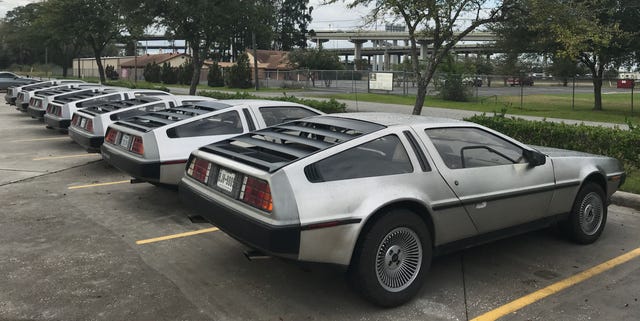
39 139
557 287
67 156
175 236
99 184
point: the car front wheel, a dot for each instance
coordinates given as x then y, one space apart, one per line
588 215
391 262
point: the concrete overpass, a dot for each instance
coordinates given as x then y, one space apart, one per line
386 49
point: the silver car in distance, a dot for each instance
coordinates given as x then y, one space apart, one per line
382 193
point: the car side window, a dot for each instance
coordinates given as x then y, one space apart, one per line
220 124
276 115
382 156
461 147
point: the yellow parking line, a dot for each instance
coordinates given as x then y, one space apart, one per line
175 236
39 139
556 287
67 156
99 184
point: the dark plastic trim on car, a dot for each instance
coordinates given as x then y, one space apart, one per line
280 240
148 171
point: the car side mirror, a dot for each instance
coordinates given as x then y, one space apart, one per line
534 158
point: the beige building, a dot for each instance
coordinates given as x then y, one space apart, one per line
134 66
87 67
272 64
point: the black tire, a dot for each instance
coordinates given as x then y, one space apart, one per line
588 214
374 265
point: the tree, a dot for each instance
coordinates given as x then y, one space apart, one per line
597 33
314 60
293 17
441 23
564 68
214 77
200 23
239 75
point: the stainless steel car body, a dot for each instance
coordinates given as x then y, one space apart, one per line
39 100
59 112
25 93
101 116
457 203
167 154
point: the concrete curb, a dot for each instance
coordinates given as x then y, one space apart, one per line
626 199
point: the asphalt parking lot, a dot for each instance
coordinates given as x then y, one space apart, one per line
79 242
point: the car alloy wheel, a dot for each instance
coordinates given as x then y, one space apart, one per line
398 260
590 213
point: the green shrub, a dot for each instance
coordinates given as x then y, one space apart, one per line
451 87
140 85
152 72
185 73
169 74
327 106
239 75
615 142
215 77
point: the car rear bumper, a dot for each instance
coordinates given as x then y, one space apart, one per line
36 113
10 100
56 123
147 171
22 107
281 241
89 142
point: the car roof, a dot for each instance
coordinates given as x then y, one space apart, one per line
395 119
279 145
166 117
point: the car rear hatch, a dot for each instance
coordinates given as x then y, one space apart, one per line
136 127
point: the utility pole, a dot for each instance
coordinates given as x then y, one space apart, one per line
255 61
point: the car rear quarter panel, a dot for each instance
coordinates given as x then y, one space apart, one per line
571 173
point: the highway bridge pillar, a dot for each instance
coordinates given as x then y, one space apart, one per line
357 53
423 49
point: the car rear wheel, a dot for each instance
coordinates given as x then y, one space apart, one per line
391 262
588 215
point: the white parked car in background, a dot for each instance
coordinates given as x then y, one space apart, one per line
40 99
24 93
59 112
89 125
154 147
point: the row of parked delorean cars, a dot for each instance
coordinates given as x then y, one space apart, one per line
378 193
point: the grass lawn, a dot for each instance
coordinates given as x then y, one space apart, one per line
617 107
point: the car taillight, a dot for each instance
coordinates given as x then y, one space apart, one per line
256 193
32 102
74 120
199 169
58 111
39 103
89 125
137 146
49 109
111 136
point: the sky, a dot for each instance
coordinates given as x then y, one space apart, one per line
325 17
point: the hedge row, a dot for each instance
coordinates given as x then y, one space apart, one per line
328 106
615 142
140 85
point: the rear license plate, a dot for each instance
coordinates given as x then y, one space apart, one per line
125 141
225 180
83 122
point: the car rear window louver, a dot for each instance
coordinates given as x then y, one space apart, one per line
150 121
104 108
274 147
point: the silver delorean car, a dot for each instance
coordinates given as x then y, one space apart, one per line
59 112
41 98
154 147
89 125
24 93
382 193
